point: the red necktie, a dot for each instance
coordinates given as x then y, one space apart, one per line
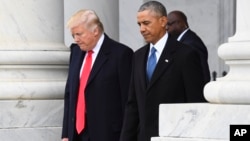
80 110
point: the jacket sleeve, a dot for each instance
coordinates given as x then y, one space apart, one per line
193 77
131 118
66 102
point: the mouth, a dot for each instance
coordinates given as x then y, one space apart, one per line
146 36
80 44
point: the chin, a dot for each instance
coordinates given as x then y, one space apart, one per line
146 40
82 48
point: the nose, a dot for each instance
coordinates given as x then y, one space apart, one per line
76 38
142 28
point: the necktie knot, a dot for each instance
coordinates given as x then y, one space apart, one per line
90 52
153 50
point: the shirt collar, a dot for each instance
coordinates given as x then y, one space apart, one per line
99 44
180 36
159 46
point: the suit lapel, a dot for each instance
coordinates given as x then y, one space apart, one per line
101 58
164 62
141 66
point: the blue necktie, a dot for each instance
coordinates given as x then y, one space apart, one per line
151 63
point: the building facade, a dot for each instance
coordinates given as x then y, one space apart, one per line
34 53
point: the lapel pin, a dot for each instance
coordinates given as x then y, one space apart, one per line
166 60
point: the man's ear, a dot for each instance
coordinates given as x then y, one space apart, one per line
164 21
95 30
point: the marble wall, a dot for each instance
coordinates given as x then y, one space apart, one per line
129 30
29 120
31 24
33 69
33 57
200 121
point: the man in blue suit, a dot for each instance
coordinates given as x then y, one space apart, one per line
106 88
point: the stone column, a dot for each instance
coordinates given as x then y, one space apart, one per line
33 69
234 87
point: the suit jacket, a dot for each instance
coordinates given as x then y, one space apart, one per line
105 92
177 79
192 39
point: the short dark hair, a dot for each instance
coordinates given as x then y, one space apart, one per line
155 6
181 16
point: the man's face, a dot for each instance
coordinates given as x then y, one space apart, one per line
152 27
174 26
83 37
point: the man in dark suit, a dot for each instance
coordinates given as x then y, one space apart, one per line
106 87
177 77
178 27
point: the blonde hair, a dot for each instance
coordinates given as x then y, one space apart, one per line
86 17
